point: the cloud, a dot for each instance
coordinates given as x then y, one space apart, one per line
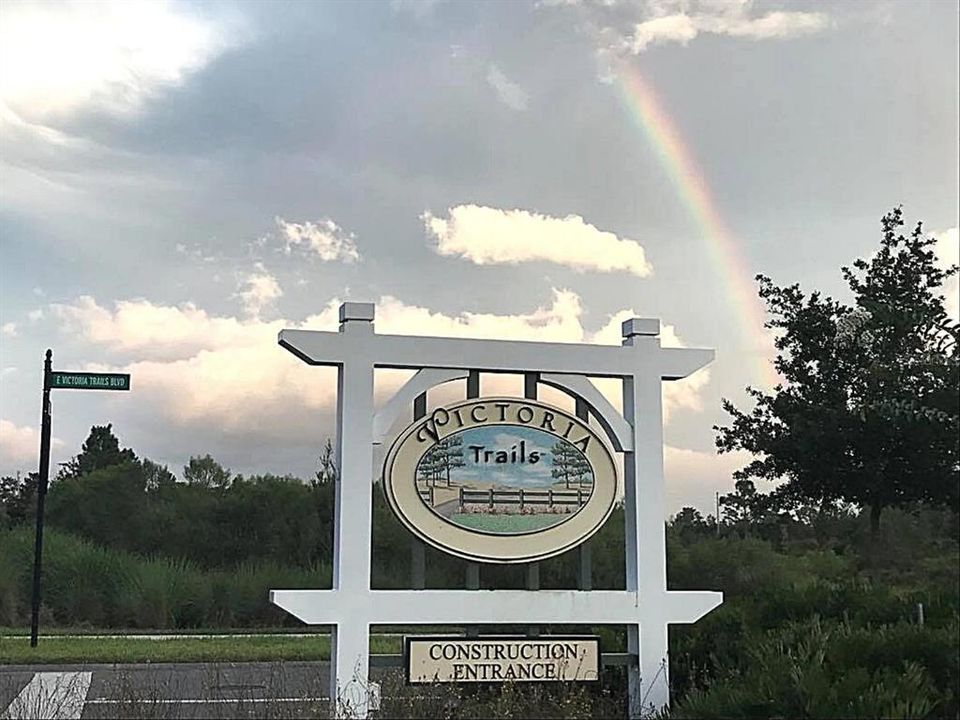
948 253
508 92
324 239
20 447
630 29
140 328
62 63
259 290
557 322
682 27
672 28
693 478
58 57
204 373
488 236
9 329
197 371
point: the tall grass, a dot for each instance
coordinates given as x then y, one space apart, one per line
828 669
86 584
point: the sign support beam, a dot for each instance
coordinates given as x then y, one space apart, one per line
353 508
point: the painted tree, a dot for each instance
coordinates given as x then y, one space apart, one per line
866 412
450 455
430 466
439 460
567 462
581 469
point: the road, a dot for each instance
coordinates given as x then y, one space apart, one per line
166 690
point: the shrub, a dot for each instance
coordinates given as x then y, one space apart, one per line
84 584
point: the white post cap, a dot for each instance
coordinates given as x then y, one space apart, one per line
640 326
350 311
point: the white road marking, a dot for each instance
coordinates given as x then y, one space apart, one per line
51 695
206 701
181 636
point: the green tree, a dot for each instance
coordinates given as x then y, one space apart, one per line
866 412
206 472
689 524
18 499
106 505
746 506
327 471
156 475
100 450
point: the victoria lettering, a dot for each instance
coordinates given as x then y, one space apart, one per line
444 422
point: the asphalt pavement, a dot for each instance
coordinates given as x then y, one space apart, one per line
166 690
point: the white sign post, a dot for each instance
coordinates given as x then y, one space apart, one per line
645 606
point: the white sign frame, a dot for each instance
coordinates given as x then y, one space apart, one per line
645 606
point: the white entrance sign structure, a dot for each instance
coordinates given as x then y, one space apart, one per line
509 505
645 606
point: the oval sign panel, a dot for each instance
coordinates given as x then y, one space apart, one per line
501 479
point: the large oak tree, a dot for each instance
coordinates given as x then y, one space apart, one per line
866 411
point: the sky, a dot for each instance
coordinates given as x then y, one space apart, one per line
179 181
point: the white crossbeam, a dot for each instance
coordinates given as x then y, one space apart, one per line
512 356
406 607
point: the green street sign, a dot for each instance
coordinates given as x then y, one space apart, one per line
89 381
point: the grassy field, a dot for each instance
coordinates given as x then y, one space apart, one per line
506 523
46 630
17 651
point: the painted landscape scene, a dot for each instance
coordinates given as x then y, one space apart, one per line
504 479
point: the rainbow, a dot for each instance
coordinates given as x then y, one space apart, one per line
648 113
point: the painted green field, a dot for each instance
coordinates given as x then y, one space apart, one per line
506 523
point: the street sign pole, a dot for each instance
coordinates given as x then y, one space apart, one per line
41 497
53 380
